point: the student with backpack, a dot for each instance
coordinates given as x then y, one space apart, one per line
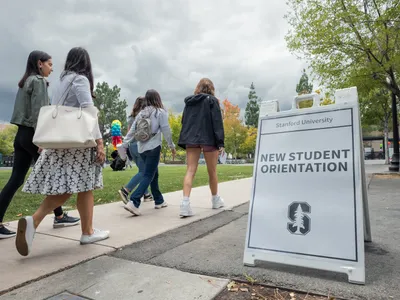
135 156
146 129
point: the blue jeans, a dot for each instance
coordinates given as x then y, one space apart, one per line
133 149
151 159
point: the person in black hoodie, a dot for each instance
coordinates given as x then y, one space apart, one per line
202 130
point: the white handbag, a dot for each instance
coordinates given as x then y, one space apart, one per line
65 127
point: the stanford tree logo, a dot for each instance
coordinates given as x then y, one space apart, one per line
300 221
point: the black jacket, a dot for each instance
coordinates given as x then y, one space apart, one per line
202 122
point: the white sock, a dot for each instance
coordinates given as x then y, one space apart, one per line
185 199
215 197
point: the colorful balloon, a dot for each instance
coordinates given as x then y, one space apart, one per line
116 134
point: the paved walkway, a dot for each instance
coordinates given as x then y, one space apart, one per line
107 278
112 274
220 252
56 249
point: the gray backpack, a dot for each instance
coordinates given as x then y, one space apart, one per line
143 130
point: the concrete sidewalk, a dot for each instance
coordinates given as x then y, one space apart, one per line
140 259
106 278
220 254
57 249
187 262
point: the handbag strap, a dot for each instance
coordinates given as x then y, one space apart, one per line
67 90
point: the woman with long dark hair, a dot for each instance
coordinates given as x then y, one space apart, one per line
59 173
133 150
31 96
150 150
202 131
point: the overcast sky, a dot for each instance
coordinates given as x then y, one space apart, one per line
165 45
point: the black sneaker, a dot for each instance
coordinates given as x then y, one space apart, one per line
5 233
65 221
124 195
148 198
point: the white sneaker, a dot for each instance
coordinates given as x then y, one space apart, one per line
162 205
186 210
96 236
132 209
217 202
25 234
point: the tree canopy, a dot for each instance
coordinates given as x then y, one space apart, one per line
252 108
346 38
304 87
175 123
111 108
235 131
7 136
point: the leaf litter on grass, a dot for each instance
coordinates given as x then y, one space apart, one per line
251 291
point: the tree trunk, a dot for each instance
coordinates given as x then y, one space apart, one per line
385 140
102 130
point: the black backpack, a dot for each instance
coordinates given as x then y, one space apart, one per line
117 164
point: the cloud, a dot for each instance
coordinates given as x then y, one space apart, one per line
165 45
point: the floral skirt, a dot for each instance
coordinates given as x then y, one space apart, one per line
64 171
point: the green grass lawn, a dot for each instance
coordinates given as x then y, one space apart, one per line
171 178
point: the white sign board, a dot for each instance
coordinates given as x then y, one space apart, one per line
268 107
306 208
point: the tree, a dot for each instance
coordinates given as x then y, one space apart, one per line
7 137
336 37
299 216
326 99
376 110
235 131
175 122
305 103
249 144
230 111
252 108
111 108
375 105
303 87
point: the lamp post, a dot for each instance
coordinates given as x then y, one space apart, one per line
394 165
